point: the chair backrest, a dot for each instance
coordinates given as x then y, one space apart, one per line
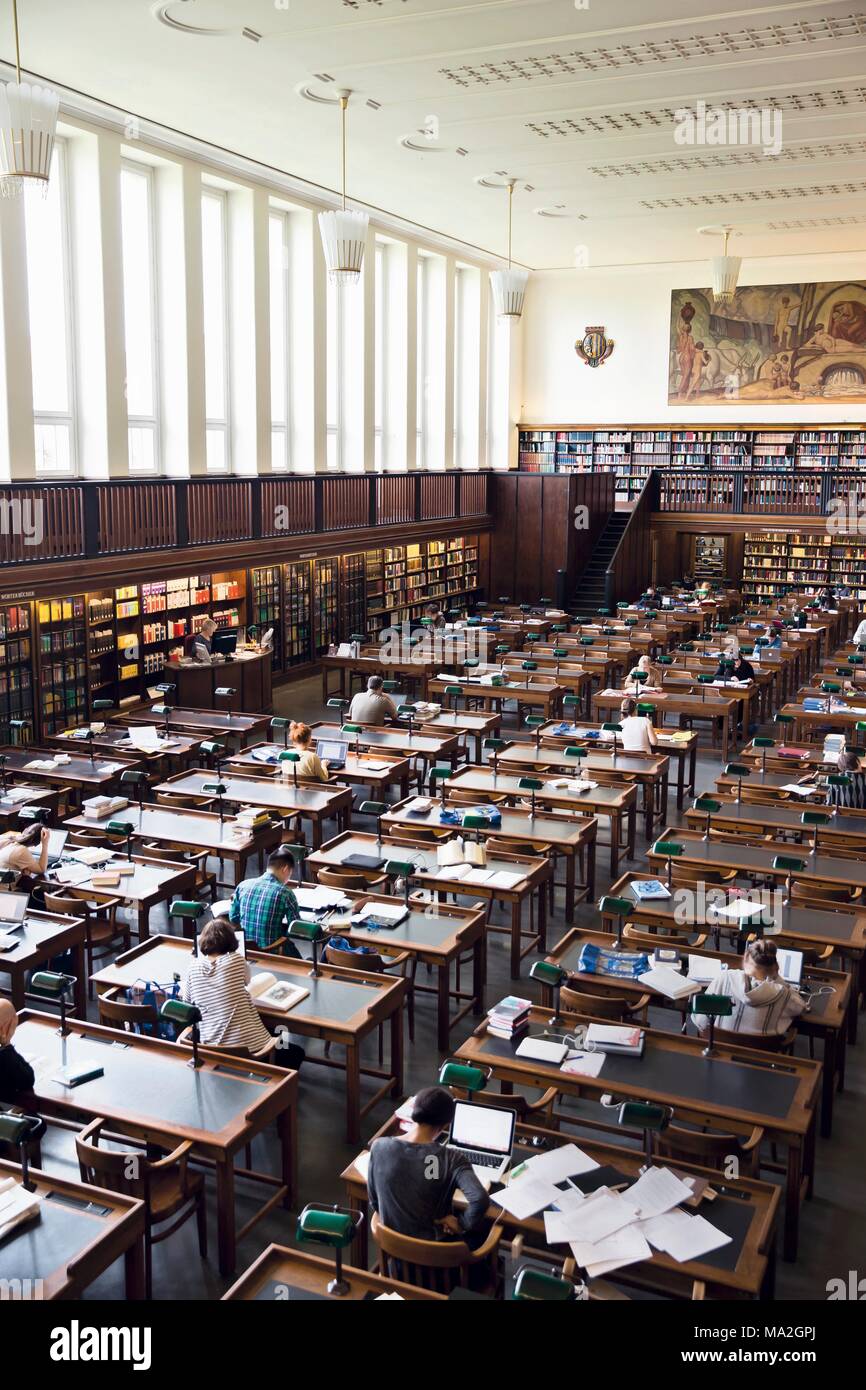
354 960
599 1005
439 1265
110 1168
69 907
815 891
711 1148
342 878
113 1008
666 936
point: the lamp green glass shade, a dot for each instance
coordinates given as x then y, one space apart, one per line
529 665
645 707
534 721
783 718
278 722
336 703
546 973
571 701
462 1077
839 779
737 770
574 752
712 1005
637 676
120 827
214 788
50 983
298 852
815 818
664 661
669 848
320 1226
471 662
14 1129
372 808
612 728
398 868
352 729
617 907
405 710
471 822
530 784
184 907
451 690
638 1114
830 687
788 864
177 1011
704 678
109 704
764 742
299 930
534 1286
587 641
708 805
493 745
212 748
560 652
439 774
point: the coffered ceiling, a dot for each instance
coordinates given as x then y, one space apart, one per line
577 101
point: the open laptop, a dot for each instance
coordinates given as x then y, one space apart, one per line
790 965
333 752
56 845
484 1135
13 907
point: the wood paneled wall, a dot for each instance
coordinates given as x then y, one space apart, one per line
535 533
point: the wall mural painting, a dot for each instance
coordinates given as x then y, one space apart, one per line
772 344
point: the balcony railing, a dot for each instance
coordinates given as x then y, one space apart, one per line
84 519
759 492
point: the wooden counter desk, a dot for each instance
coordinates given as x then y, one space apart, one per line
826 1017
535 693
534 879
86 777
719 710
281 1274
316 802
80 1233
681 745
41 937
149 1091
210 724
15 797
757 859
200 829
845 829
569 836
734 1085
649 771
249 675
376 771
343 1007
172 753
617 803
152 881
744 1208
396 739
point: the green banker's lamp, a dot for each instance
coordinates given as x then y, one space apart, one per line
401 869
298 854
790 867
532 785
620 909
494 746
709 807
19 1131
438 777
671 849
50 984
830 688
215 751
279 723
183 1015
738 770
552 977
377 809
712 1006
123 828
612 728
334 1227
459 1076
764 744
571 703
357 731
637 678
337 703
534 722
533 1285
476 822
139 781
315 936
292 758
643 1115
815 819
407 712
188 910
217 789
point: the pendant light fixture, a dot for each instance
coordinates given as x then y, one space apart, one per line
28 122
726 270
509 286
344 232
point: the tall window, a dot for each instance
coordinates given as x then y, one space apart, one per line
345 393
140 317
278 235
467 349
381 365
431 361
216 330
422 358
49 287
499 369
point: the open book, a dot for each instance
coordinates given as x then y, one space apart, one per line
16 1205
270 993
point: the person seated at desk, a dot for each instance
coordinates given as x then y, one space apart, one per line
651 671
774 638
800 619
859 633
264 906
372 706
688 582
216 983
828 598
638 734
16 1075
651 599
852 796
199 647
412 1178
311 765
16 850
764 1004
436 616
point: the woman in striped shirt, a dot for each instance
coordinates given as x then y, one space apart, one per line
852 793
763 1003
216 983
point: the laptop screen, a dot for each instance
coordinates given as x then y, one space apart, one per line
331 750
482 1127
57 843
13 907
790 965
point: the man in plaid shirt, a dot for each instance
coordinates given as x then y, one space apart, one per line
264 906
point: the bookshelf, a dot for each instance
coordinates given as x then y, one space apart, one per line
16 671
62 645
325 604
353 595
297 630
776 562
266 606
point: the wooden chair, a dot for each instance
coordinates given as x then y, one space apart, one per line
166 1186
115 1011
711 1148
811 893
353 880
645 939
402 964
103 933
616 1006
438 1265
89 839
205 878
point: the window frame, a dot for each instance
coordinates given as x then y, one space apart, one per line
56 417
144 422
224 426
282 428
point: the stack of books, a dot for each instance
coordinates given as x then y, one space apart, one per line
508 1017
98 807
251 818
622 1041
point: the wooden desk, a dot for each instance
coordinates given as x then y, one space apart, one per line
565 835
736 1084
80 1233
771 786
617 803
805 719
209 724
373 770
97 777
315 802
471 724
283 1275
720 710
375 664
43 936
535 880
604 665
681 746
153 881
757 859
535 693
343 1007
395 739
572 676
744 1208
842 828
826 1018
250 676
16 797
176 751
843 928
200 829
149 1091
649 771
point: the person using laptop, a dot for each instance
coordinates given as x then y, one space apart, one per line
413 1177
264 906
16 1074
200 644
311 765
764 1004
372 706
17 850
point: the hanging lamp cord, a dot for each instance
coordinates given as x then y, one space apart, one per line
344 103
17 40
